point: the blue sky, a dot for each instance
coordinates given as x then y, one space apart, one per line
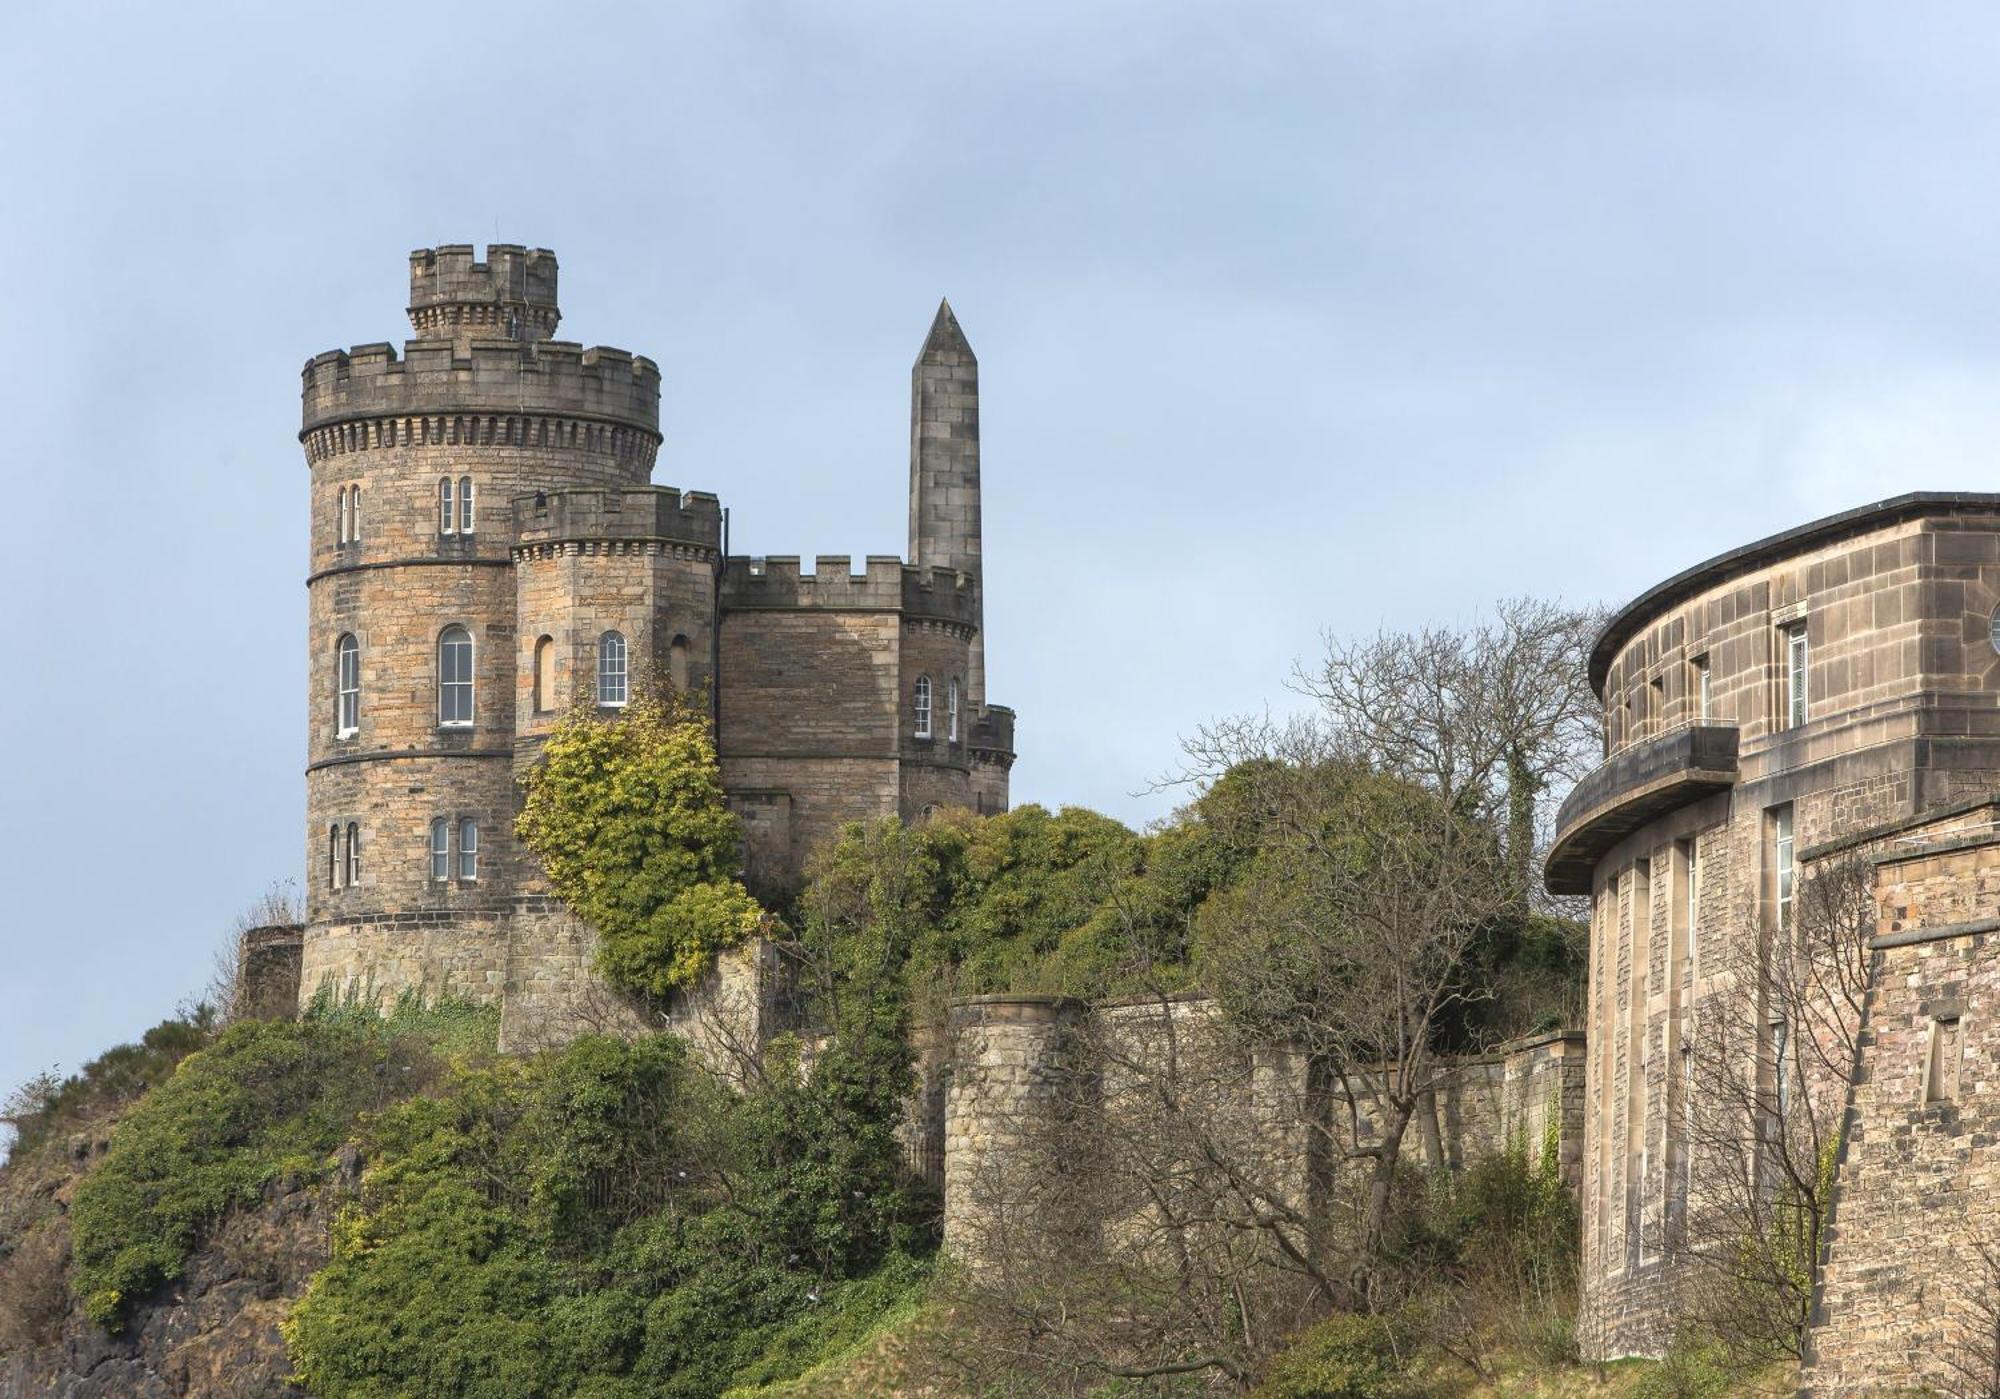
1290 317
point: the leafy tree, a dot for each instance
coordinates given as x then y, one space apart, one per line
627 817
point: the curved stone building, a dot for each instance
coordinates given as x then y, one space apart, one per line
487 549
1831 688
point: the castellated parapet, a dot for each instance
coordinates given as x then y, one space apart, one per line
488 551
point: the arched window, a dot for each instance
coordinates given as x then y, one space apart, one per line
465 505
440 850
468 850
340 517
353 854
354 514
923 706
677 663
445 520
333 857
455 678
545 675
951 711
346 686
612 688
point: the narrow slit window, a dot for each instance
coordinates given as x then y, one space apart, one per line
1704 708
1947 1051
923 706
354 514
333 857
468 851
455 678
445 517
951 711
612 680
465 505
440 850
677 663
340 518
353 854
545 675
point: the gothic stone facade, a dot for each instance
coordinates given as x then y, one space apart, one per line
1827 690
487 548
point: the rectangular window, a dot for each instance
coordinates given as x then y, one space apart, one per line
446 516
1781 852
1781 1070
468 850
1947 1050
1795 676
465 505
440 850
1703 708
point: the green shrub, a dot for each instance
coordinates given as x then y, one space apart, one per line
264 1099
627 818
1347 1356
45 1105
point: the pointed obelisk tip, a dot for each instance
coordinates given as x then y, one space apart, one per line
945 336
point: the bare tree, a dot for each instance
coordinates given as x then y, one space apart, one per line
1768 1065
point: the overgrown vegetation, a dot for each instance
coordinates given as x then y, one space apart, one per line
625 813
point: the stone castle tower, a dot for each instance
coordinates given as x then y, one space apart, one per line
487 549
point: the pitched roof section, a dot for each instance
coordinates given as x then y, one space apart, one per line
945 338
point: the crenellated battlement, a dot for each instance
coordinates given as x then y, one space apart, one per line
887 585
434 378
511 295
643 513
992 733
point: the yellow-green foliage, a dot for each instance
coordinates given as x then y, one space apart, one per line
1346 1356
626 815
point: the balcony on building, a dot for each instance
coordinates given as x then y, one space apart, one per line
1637 785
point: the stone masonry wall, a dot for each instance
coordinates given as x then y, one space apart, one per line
1911 1280
1014 1061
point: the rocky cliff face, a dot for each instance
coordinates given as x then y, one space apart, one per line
214 1332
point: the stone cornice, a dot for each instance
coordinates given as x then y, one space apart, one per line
398 754
475 562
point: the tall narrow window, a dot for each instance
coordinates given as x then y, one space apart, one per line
346 686
1781 1070
1795 676
465 505
333 857
1781 852
353 854
545 675
677 663
923 706
440 850
1941 1082
951 711
354 514
455 678
446 519
611 677
468 850
1703 707
340 517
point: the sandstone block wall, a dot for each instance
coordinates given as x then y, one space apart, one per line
1911 1279
1018 1064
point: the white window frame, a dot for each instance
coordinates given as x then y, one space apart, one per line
465 505
1797 672
922 702
1783 853
346 686
353 854
440 850
447 519
447 687
614 681
354 514
468 850
340 517
334 864
951 710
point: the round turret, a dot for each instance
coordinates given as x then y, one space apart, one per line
510 296
416 651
